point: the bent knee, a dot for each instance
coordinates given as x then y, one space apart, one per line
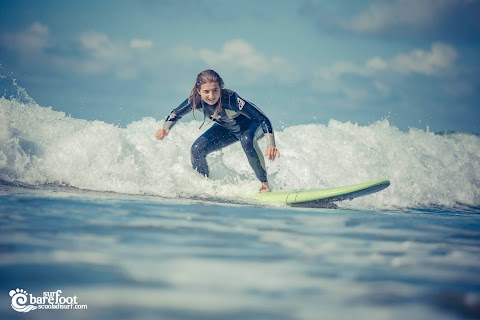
199 147
247 141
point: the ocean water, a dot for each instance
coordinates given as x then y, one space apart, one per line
121 222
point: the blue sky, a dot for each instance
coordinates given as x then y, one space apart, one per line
415 62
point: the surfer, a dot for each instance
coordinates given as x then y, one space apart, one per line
235 119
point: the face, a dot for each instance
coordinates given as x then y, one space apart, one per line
210 92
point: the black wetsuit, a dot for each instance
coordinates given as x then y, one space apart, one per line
238 120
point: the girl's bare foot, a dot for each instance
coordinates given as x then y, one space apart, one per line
264 188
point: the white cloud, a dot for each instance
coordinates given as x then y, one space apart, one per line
142 44
376 63
101 48
341 68
104 55
101 55
31 41
441 57
382 88
410 14
240 56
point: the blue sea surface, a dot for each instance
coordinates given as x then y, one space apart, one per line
147 257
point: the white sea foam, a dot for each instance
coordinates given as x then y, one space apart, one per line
39 145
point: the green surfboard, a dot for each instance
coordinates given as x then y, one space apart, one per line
311 196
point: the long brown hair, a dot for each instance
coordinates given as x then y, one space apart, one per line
203 77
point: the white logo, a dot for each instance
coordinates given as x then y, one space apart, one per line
171 116
22 301
241 103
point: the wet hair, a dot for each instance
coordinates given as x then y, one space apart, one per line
203 77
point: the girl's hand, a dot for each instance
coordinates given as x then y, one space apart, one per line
272 152
161 133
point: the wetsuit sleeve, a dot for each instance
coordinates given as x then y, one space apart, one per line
251 111
176 114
